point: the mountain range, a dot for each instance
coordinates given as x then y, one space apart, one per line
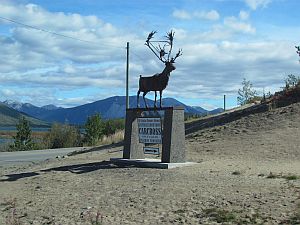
109 108
10 117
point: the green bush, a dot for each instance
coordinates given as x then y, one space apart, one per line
291 81
62 136
111 126
246 94
94 127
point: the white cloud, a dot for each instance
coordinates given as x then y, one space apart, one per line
35 48
210 15
36 60
181 14
206 15
243 15
239 26
7 93
254 4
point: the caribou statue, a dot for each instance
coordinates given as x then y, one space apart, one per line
159 81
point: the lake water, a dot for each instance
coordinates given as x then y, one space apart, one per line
6 140
41 129
10 140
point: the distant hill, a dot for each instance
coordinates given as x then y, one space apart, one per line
109 108
30 109
50 107
10 117
187 109
200 109
216 111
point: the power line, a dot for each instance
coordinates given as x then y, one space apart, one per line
138 56
55 33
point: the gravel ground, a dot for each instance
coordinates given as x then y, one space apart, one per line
248 172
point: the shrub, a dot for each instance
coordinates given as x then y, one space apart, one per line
94 129
112 126
62 136
113 138
220 215
291 81
246 94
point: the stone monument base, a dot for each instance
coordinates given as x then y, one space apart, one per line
173 134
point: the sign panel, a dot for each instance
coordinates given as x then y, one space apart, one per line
150 130
151 150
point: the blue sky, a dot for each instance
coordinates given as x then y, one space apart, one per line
223 41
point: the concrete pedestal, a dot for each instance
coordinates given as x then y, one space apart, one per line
173 140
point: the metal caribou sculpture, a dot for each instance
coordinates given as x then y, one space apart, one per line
159 81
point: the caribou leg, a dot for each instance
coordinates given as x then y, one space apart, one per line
160 94
145 100
138 99
155 99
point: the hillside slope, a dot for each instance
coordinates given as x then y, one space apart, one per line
10 117
264 135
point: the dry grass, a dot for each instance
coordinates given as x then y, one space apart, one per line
287 177
95 218
10 205
4 147
12 218
112 139
34 134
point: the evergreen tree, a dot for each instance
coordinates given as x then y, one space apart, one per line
23 141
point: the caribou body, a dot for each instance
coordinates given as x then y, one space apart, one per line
157 82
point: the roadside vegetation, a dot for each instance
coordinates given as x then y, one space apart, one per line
247 94
62 136
96 132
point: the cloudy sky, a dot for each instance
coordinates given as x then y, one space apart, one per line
71 52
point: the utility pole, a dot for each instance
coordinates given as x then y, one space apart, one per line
127 76
224 102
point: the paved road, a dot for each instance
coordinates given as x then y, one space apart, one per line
25 157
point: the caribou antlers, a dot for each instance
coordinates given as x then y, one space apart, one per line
298 50
160 51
